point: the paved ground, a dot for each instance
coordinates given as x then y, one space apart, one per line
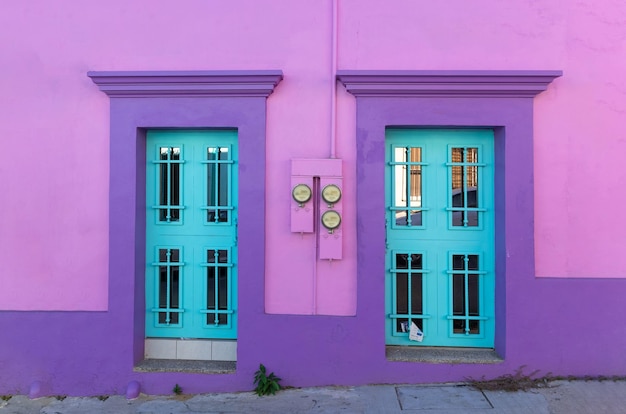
567 397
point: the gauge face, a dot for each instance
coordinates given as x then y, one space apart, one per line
331 219
301 193
331 193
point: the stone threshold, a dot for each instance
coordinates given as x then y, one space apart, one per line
181 365
441 355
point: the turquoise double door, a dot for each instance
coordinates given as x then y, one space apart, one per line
440 278
191 234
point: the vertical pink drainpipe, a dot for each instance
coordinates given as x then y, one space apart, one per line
333 81
333 125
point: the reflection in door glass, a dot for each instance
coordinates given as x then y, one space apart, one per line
464 183
408 186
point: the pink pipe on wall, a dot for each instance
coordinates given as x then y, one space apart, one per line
333 72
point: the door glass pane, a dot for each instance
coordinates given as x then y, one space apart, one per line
169 184
169 286
458 288
402 261
416 294
191 295
217 287
464 183
472 185
402 283
465 294
217 184
408 186
409 299
439 183
473 309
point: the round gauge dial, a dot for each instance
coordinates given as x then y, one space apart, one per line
301 193
331 193
331 219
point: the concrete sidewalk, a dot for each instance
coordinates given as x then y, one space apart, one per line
567 397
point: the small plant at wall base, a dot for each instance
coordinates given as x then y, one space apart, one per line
177 389
266 384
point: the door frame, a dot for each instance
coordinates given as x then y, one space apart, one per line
426 239
193 234
498 100
142 100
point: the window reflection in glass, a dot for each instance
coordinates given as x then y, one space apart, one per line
464 183
408 186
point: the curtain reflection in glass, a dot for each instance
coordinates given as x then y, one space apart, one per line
464 182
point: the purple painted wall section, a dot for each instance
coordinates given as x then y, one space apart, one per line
90 353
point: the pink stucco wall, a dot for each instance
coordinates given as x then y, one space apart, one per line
54 123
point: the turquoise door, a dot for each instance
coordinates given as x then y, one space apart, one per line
440 237
191 234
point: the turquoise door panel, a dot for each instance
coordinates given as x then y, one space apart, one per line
191 233
440 237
